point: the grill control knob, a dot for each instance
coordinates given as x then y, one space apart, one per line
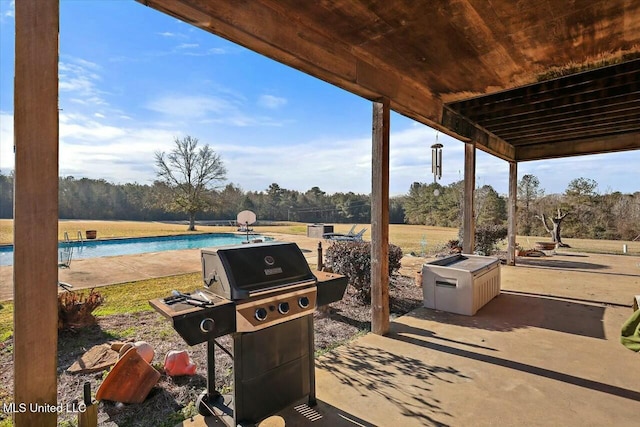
261 314
283 307
207 325
303 302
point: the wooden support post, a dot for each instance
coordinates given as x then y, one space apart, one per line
513 199
35 266
468 219
380 219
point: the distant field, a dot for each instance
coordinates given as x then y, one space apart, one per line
411 238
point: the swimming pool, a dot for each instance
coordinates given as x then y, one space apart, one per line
139 245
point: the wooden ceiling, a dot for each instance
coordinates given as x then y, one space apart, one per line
471 68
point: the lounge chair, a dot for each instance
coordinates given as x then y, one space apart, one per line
244 228
332 235
354 237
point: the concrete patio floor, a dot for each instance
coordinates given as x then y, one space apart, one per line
545 352
521 361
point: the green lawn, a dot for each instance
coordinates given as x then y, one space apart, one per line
129 297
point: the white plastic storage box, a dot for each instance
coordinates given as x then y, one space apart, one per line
317 230
460 284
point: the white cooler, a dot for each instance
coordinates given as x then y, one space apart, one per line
460 284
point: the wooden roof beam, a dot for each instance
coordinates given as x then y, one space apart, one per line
623 89
605 77
586 125
533 120
551 150
485 140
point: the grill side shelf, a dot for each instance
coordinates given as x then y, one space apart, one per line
199 324
331 287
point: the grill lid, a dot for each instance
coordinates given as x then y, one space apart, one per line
240 271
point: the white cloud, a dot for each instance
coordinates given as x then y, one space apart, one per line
271 101
99 115
187 46
125 153
332 165
216 51
85 131
193 107
79 78
186 49
117 154
6 141
208 52
225 107
10 12
87 64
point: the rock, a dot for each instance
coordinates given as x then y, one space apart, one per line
98 358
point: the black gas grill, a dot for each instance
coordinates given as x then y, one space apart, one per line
264 295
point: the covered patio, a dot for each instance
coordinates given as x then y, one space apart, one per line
461 67
546 352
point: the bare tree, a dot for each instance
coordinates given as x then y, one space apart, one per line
555 228
190 172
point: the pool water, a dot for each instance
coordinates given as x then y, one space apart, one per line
113 247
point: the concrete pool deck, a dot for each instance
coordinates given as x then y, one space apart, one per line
95 272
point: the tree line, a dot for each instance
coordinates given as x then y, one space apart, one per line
85 198
585 212
589 214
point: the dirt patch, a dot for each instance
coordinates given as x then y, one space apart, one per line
172 399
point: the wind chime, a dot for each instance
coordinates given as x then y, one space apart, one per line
436 163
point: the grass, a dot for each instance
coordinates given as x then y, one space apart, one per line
131 297
6 320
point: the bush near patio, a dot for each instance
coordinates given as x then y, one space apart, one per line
487 237
353 259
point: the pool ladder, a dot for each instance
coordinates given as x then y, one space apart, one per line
80 239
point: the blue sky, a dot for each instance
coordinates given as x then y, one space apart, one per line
132 79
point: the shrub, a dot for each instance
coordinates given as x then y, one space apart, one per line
353 259
488 236
75 309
